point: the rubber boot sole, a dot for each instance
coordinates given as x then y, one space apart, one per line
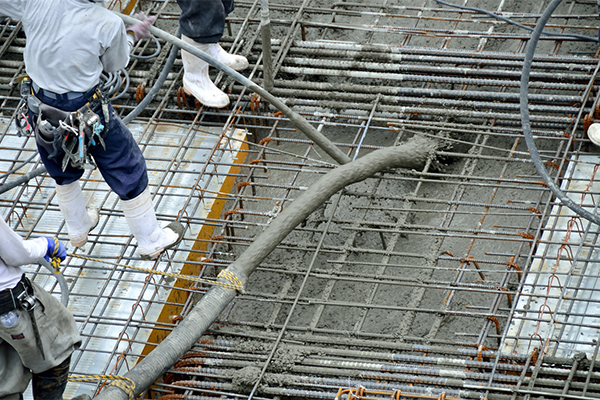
179 230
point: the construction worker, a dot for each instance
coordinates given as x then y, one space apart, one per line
37 333
69 44
201 24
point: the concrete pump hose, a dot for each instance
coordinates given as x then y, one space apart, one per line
64 287
412 154
302 124
526 122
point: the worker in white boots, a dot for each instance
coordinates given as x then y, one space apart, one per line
69 45
201 24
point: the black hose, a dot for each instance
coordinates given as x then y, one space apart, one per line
302 124
157 52
509 21
526 122
117 88
157 85
18 167
22 179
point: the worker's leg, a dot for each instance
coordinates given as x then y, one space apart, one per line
123 167
141 218
78 218
51 384
204 20
121 161
201 24
14 377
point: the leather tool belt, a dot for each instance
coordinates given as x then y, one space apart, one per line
10 299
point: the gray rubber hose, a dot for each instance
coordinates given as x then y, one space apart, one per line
412 154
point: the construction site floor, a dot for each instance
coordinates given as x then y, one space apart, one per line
465 278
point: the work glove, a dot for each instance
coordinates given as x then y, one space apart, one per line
55 250
141 31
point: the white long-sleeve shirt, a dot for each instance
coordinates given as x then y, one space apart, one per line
69 42
14 252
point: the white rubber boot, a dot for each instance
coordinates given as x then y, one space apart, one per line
80 220
141 218
196 80
594 133
233 61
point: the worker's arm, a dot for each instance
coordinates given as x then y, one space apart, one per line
15 251
116 47
12 8
120 42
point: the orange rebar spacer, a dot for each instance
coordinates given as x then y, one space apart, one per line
511 264
254 102
175 318
526 235
140 92
534 355
181 99
553 164
480 350
241 185
587 121
265 140
495 321
256 161
231 212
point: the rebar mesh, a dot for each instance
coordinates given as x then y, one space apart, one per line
464 279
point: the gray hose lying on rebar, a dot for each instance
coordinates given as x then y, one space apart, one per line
302 124
526 121
412 155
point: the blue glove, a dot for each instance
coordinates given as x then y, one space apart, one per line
55 249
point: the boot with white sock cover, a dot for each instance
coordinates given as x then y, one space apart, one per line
80 220
141 218
196 80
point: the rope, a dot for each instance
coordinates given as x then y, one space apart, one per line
234 281
55 260
123 383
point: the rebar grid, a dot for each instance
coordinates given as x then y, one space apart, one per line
411 283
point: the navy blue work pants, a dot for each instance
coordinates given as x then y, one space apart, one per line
204 20
121 164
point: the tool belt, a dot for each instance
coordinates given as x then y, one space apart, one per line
64 134
21 296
